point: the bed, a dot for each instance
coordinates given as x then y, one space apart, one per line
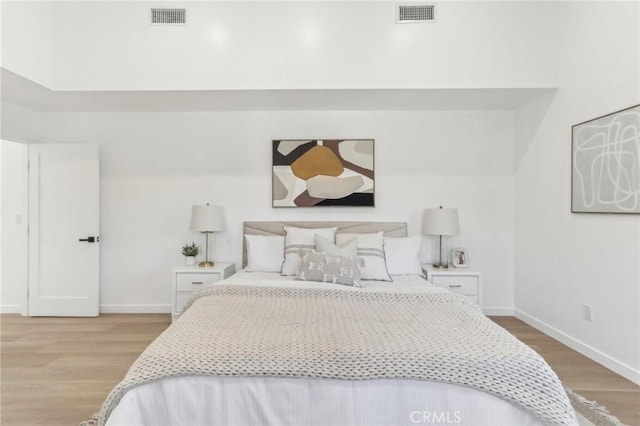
283 351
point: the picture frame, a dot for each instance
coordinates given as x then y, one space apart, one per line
605 163
323 173
459 257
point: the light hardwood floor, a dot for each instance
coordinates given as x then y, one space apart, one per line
57 371
584 376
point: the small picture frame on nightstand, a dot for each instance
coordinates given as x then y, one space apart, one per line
459 258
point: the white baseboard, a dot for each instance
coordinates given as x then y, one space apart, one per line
10 309
497 312
590 352
106 309
135 309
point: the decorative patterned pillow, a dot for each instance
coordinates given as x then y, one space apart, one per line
327 247
301 238
371 250
329 269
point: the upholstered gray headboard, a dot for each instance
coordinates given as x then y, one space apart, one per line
390 229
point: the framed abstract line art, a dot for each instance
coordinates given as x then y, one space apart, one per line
605 163
336 172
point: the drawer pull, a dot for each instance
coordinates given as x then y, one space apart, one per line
455 285
197 282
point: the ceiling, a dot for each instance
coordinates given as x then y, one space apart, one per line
21 91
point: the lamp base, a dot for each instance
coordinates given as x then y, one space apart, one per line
206 264
440 266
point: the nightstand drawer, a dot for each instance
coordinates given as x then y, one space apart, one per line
195 281
457 284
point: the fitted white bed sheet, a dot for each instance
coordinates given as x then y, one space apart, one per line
213 400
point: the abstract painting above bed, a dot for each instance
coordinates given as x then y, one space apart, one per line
337 172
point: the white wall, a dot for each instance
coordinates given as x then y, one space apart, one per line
287 45
155 166
20 123
565 260
27 39
14 219
1 180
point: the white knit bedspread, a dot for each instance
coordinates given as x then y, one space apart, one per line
338 334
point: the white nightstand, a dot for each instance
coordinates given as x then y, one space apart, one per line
461 281
187 279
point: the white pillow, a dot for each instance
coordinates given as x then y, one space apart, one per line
402 255
327 247
371 250
265 253
301 238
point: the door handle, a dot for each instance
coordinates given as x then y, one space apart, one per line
90 239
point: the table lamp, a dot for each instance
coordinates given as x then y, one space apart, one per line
207 219
440 221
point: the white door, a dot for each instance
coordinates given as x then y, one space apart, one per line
63 230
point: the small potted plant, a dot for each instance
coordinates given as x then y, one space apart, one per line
190 251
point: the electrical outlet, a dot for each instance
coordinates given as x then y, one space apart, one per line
586 312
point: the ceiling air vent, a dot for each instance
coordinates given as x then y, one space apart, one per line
168 16
411 13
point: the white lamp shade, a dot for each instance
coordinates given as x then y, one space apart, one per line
440 221
207 218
